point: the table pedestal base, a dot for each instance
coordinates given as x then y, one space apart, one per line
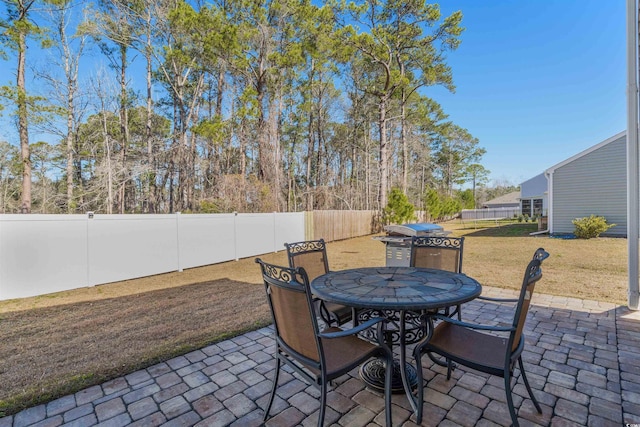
372 373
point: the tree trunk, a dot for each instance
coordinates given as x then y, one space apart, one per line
310 150
71 76
384 149
70 174
151 170
124 128
404 145
107 149
23 130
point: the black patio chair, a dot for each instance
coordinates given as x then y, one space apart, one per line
442 253
312 256
482 347
317 356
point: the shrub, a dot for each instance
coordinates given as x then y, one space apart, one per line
589 227
398 210
441 206
209 206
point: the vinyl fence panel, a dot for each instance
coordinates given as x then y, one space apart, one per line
126 246
254 234
41 254
289 228
206 239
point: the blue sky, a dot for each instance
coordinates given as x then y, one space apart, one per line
537 81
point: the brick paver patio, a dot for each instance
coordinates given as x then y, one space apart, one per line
582 359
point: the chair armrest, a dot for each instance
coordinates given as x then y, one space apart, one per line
361 327
473 325
498 299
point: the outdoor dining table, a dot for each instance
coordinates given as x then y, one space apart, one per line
402 295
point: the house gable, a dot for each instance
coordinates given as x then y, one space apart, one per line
505 201
534 187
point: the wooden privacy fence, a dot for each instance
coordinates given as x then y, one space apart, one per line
339 225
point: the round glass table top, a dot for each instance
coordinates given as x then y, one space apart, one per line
396 288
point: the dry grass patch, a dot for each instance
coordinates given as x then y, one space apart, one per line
51 350
594 269
61 343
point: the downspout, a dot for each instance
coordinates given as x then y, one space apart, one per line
633 170
549 205
535 233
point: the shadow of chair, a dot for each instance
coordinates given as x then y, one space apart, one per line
481 347
312 256
317 356
442 253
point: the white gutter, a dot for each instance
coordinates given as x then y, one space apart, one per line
633 170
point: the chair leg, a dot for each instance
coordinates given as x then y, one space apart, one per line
449 369
323 402
354 317
417 355
325 315
437 360
507 389
273 389
526 384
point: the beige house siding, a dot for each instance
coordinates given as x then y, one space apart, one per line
592 183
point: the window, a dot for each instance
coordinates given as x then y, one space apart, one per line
537 207
526 207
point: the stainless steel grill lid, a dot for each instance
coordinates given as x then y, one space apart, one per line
420 229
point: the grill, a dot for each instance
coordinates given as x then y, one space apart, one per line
398 241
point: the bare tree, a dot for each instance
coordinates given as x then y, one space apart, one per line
68 48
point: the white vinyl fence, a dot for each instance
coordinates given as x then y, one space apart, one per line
41 254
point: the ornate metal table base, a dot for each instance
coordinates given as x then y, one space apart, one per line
372 373
402 326
401 295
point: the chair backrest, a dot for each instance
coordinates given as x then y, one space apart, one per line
532 274
310 255
540 254
292 309
443 253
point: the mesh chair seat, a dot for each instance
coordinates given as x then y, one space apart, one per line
340 313
473 347
340 352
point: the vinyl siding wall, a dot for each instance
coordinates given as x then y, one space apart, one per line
596 184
